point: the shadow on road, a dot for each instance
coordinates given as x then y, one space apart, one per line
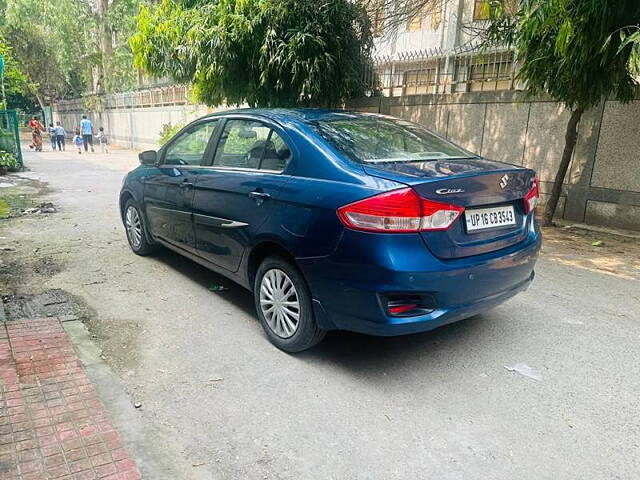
206 278
373 358
369 357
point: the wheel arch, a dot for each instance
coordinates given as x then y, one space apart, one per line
125 196
262 250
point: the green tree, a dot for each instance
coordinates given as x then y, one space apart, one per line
70 47
576 52
18 90
264 53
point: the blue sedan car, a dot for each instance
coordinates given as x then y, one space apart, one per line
338 220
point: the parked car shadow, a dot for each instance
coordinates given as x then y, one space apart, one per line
369 357
209 279
372 358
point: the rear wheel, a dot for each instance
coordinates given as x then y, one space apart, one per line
284 306
136 233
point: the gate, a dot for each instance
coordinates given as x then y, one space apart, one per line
10 135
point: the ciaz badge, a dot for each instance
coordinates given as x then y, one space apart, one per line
448 191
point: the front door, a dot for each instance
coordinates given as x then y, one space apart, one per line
169 192
239 192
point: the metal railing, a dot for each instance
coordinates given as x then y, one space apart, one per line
464 69
436 71
10 134
148 97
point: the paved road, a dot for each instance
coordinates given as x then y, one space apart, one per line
436 405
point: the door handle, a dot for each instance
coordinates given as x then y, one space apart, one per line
256 195
186 184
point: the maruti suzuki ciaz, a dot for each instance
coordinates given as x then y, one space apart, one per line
338 220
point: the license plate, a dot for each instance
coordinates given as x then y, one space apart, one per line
483 218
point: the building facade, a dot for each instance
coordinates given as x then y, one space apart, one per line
436 50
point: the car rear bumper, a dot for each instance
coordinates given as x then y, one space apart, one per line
348 286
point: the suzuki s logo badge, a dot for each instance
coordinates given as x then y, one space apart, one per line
504 180
448 191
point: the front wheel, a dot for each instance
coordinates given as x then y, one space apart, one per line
136 234
284 306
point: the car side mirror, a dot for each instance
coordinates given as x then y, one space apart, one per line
148 157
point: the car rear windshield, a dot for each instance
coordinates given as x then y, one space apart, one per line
380 140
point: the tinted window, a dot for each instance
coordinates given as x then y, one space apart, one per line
189 148
251 144
241 144
377 140
276 154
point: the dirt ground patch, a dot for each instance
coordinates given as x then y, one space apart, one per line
49 303
18 194
591 250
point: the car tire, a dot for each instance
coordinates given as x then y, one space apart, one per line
288 301
135 230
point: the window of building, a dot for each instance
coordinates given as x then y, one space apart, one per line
418 82
482 8
493 72
436 15
376 15
429 16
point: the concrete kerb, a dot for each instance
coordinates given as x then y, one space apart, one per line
149 446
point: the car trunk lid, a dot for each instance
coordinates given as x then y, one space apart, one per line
475 183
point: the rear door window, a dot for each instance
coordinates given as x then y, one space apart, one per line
253 145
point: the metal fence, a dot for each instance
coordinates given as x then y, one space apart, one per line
464 69
436 71
148 97
10 135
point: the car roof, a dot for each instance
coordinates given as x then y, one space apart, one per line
304 115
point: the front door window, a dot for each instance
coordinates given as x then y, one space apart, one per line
190 147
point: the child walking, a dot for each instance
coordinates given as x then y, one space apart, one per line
77 141
52 136
102 139
60 134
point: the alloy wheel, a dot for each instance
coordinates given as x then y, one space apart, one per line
134 226
279 303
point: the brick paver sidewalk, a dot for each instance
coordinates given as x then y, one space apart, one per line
52 423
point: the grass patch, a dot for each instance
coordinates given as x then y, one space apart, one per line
4 209
12 204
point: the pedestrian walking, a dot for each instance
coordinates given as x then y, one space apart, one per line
36 134
36 140
35 123
86 128
103 140
60 136
78 141
52 136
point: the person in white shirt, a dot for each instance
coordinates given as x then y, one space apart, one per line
102 139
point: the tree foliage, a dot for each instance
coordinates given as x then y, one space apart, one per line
276 52
17 87
576 51
58 44
571 50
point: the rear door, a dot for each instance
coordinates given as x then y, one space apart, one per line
240 189
169 192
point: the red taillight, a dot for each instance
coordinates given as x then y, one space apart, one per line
398 211
531 198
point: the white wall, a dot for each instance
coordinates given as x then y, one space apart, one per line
136 128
